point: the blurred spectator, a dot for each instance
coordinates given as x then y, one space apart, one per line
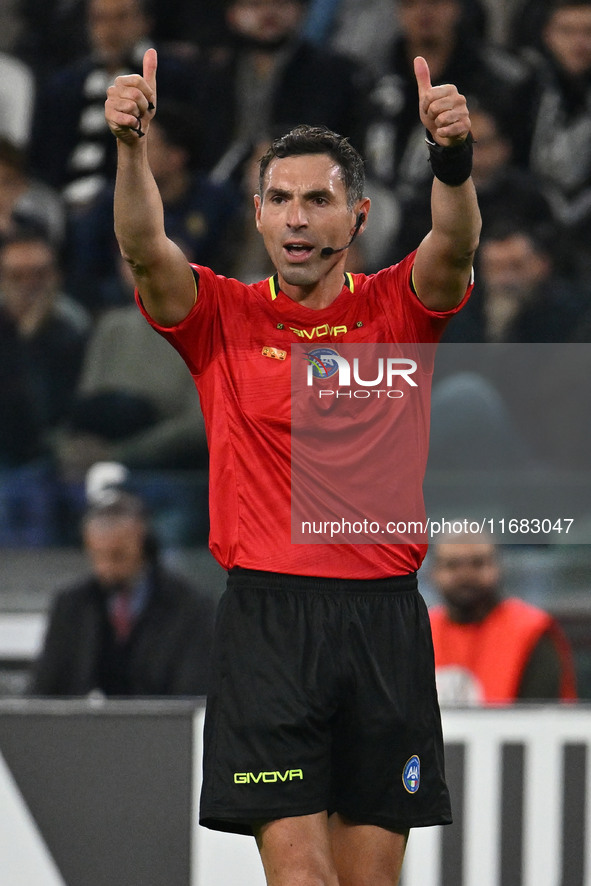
198 213
19 425
71 148
51 328
362 30
481 418
491 649
25 201
10 24
53 35
199 24
505 190
54 32
29 391
135 402
437 30
472 425
269 80
519 296
17 94
366 29
131 627
560 152
525 23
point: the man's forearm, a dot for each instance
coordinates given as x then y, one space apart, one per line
456 221
161 271
138 210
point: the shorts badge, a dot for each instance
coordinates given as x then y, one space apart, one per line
411 774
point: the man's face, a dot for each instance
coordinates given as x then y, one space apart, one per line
429 21
468 577
165 159
303 208
115 26
568 37
512 267
27 275
494 151
266 21
115 548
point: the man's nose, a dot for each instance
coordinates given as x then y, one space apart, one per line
296 215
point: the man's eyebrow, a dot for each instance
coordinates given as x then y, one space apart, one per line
319 192
325 193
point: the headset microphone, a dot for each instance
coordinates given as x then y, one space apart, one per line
329 250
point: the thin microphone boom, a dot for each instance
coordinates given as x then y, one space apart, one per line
329 250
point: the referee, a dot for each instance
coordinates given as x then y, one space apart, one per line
323 734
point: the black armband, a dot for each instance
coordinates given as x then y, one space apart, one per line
451 165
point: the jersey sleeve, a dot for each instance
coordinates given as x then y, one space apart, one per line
198 336
410 318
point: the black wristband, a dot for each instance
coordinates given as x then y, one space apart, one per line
451 165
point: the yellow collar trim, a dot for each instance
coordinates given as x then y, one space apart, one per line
274 284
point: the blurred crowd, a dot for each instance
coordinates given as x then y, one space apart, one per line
82 377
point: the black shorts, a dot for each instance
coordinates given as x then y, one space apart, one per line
323 698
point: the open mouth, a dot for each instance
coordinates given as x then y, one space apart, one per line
298 250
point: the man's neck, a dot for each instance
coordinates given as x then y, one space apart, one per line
320 295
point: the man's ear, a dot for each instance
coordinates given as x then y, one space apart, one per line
258 203
363 210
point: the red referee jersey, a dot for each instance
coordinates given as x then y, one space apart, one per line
237 342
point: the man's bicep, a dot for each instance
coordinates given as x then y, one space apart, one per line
167 286
440 280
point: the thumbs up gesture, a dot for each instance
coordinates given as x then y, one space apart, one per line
443 111
131 101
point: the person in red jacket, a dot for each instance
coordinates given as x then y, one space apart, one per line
491 649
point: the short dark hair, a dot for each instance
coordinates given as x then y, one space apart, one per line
556 5
566 4
500 229
306 139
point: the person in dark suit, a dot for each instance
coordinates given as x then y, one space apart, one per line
68 150
269 79
130 628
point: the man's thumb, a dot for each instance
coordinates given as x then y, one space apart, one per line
150 65
422 74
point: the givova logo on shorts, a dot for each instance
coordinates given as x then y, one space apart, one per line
411 774
268 777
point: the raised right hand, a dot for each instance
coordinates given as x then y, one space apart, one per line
131 101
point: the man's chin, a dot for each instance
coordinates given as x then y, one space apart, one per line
298 276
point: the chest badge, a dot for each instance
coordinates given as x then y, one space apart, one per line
274 353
